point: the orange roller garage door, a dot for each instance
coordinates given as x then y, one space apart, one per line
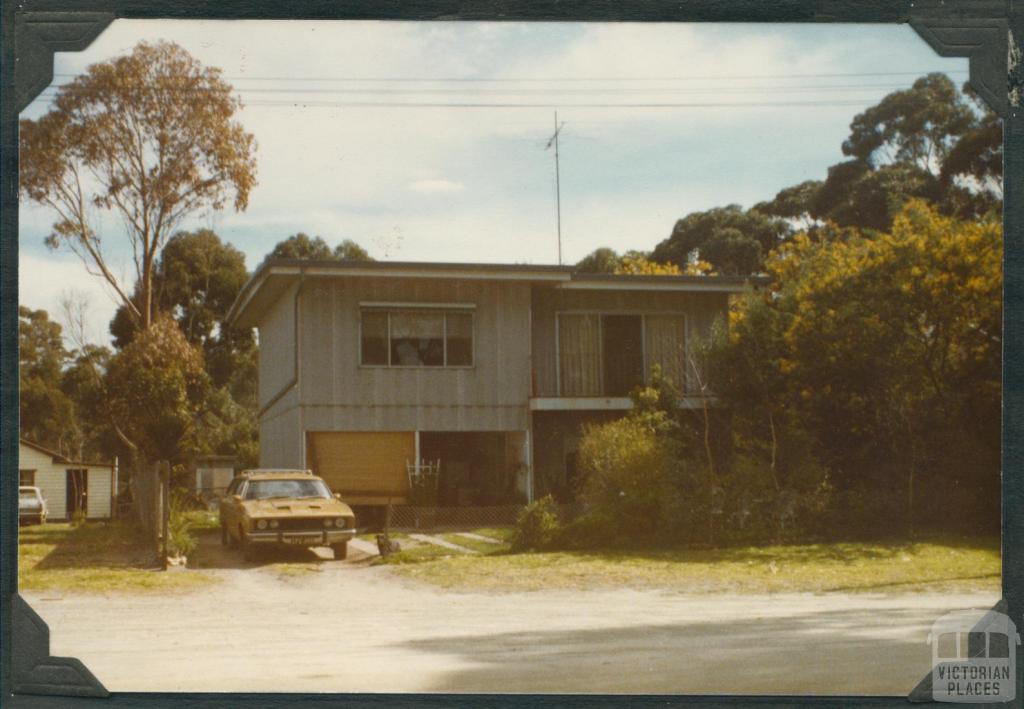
367 468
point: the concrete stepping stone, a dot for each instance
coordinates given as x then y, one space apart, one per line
479 537
430 539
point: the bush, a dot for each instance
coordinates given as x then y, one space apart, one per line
78 518
635 486
537 526
180 540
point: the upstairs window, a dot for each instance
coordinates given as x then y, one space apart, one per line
411 337
608 354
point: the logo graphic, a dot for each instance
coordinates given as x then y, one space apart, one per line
974 655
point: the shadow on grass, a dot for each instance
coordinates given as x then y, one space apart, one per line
93 545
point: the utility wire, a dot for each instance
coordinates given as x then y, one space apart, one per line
706 77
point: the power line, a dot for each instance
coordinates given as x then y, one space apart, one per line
706 77
652 90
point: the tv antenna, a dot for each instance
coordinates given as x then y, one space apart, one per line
558 186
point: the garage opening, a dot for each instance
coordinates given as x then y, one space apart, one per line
478 468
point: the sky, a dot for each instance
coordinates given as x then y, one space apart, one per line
429 141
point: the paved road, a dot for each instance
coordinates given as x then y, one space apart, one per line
349 627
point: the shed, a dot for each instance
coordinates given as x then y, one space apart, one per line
67 485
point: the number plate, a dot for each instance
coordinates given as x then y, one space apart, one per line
304 539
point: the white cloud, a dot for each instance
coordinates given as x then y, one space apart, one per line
436 185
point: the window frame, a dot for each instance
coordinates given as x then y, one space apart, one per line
442 309
30 471
642 314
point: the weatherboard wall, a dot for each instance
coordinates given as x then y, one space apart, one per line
337 392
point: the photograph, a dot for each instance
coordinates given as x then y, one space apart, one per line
479 357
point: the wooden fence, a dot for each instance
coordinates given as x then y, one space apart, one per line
151 501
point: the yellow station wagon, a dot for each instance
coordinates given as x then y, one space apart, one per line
284 507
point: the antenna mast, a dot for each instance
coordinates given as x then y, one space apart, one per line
558 185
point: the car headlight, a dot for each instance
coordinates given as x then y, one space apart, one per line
273 524
341 523
261 524
328 522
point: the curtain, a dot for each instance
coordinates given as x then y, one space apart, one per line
666 346
579 349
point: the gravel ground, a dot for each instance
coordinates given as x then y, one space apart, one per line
327 626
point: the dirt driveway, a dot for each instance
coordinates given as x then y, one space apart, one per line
328 626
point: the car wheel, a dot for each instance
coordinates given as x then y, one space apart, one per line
340 550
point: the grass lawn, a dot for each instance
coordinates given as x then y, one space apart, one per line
880 566
94 557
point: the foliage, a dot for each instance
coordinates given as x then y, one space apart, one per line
302 246
729 239
636 263
634 480
180 540
537 526
602 260
161 374
196 280
876 357
916 126
929 141
46 411
121 138
83 382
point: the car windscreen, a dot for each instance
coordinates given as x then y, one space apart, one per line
27 496
263 489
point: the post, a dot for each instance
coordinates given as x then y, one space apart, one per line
416 465
163 510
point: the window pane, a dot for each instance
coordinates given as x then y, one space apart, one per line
375 338
998 645
579 354
666 347
623 355
417 339
460 339
27 478
947 646
976 644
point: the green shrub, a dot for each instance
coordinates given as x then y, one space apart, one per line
180 540
78 518
591 530
635 486
537 526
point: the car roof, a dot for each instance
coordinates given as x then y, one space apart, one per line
277 474
27 488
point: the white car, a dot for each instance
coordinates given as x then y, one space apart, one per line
31 506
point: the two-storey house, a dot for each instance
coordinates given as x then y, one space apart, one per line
368 367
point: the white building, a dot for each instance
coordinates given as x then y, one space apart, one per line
67 485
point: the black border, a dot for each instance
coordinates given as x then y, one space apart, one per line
985 30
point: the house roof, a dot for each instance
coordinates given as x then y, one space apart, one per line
275 276
58 458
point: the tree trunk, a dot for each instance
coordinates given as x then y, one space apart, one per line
775 448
